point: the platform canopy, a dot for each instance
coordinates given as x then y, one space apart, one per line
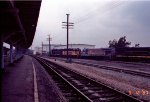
18 21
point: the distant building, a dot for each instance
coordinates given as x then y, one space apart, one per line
37 50
60 46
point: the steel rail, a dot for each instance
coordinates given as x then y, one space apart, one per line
78 91
127 71
86 78
133 72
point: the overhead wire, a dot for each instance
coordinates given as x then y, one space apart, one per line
95 9
110 6
102 12
90 15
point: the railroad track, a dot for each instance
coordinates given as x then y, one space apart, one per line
128 71
117 69
78 88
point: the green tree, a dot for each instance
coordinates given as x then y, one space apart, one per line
120 43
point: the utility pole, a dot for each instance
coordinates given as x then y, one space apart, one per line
11 53
42 48
49 39
1 54
66 26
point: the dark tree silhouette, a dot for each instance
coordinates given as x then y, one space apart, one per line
137 45
120 43
113 44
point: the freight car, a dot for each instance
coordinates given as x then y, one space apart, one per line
133 51
133 54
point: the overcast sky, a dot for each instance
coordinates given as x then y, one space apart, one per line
95 22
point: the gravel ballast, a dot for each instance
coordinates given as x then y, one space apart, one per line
120 81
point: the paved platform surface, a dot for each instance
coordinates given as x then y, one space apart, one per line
18 83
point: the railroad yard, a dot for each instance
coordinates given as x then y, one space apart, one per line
133 85
76 81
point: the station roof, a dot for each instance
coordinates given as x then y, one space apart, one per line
18 21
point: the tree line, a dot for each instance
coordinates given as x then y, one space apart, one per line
121 43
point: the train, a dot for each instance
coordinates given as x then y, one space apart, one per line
131 54
126 54
63 52
84 52
133 51
99 53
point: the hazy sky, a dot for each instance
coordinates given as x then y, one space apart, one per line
95 21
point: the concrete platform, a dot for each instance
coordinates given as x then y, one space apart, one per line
27 81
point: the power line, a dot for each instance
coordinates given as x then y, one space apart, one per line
103 12
96 9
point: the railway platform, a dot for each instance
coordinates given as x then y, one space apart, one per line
26 81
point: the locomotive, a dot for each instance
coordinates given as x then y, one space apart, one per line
63 52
